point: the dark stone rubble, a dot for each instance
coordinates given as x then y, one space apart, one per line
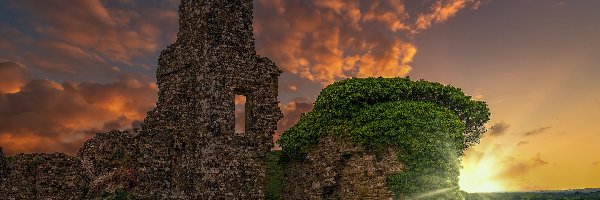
338 169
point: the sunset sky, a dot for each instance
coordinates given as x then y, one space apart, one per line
70 69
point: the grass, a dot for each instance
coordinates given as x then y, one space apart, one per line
274 176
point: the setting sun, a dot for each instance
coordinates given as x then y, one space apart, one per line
477 175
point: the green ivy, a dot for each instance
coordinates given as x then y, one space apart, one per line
431 124
274 176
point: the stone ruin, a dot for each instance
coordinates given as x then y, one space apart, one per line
187 147
338 169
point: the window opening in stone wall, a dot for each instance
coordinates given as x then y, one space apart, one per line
240 113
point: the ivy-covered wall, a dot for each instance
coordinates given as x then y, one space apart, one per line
428 124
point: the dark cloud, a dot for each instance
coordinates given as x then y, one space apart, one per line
119 32
136 124
537 131
119 123
89 39
50 56
12 38
498 129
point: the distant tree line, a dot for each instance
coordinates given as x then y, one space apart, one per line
567 195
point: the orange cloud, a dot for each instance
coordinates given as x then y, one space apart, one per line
442 11
45 116
12 77
395 62
391 13
325 41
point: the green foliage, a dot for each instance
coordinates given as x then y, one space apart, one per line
119 194
429 137
431 124
274 176
8 159
338 103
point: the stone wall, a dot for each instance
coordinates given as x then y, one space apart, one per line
43 176
108 160
337 169
2 164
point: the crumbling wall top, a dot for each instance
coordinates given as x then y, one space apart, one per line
221 27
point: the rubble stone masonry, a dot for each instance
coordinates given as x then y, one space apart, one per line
338 169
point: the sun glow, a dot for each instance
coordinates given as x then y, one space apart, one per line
478 175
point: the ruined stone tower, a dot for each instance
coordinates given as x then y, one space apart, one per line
187 147
198 77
